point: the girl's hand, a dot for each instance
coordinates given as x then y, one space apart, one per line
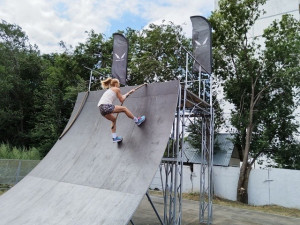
130 92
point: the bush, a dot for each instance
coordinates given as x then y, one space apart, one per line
10 152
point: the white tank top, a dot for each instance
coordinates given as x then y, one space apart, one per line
108 97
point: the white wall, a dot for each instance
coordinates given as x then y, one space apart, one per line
225 181
274 10
266 186
275 186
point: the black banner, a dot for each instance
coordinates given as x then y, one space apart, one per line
201 41
120 57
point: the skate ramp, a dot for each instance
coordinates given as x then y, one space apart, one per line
87 179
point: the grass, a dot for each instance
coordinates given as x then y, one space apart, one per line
10 152
272 209
4 188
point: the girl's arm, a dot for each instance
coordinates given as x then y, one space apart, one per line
120 96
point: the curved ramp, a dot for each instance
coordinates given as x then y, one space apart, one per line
87 179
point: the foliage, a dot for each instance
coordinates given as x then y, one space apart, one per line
95 53
155 53
55 99
258 80
39 91
19 77
9 152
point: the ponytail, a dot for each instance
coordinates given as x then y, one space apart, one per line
106 83
109 82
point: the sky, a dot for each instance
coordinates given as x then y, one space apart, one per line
47 22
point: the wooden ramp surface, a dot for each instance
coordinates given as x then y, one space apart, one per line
87 179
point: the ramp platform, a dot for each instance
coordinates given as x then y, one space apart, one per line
87 179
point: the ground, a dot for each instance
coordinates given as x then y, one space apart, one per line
224 212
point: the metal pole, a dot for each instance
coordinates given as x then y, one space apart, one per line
93 70
18 171
166 194
202 172
194 58
182 149
186 68
149 199
204 90
177 154
211 150
91 74
199 82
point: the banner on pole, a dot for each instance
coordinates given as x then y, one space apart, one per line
201 40
120 58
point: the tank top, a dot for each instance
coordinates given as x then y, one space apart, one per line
108 97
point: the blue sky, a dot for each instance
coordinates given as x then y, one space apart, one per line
47 22
127 20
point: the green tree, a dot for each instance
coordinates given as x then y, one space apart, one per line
19 77
55 99
154 53
95 53
258 80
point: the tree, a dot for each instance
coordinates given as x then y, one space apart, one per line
154 53
20 67
258 80
55 99
95 53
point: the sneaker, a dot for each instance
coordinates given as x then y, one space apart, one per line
117 139
140 120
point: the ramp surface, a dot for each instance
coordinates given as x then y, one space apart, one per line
87 179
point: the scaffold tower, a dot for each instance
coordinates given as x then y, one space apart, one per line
191 108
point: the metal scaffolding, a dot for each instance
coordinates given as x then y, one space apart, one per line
190 109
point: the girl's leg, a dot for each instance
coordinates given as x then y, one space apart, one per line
112 118
123 109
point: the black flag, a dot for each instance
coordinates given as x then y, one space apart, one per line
120 56
201 40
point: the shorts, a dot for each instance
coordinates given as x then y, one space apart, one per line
106 109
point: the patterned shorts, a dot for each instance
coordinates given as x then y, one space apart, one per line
106 109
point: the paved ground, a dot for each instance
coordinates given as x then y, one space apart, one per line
222 215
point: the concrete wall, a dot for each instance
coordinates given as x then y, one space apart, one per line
275 186
266 186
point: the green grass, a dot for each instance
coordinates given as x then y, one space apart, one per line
10 152
4 188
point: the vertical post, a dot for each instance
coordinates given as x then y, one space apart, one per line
166 192
204 90
211 150
179 157
202 207
186 68
90 82
199 94
173 168
206 169
18 171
